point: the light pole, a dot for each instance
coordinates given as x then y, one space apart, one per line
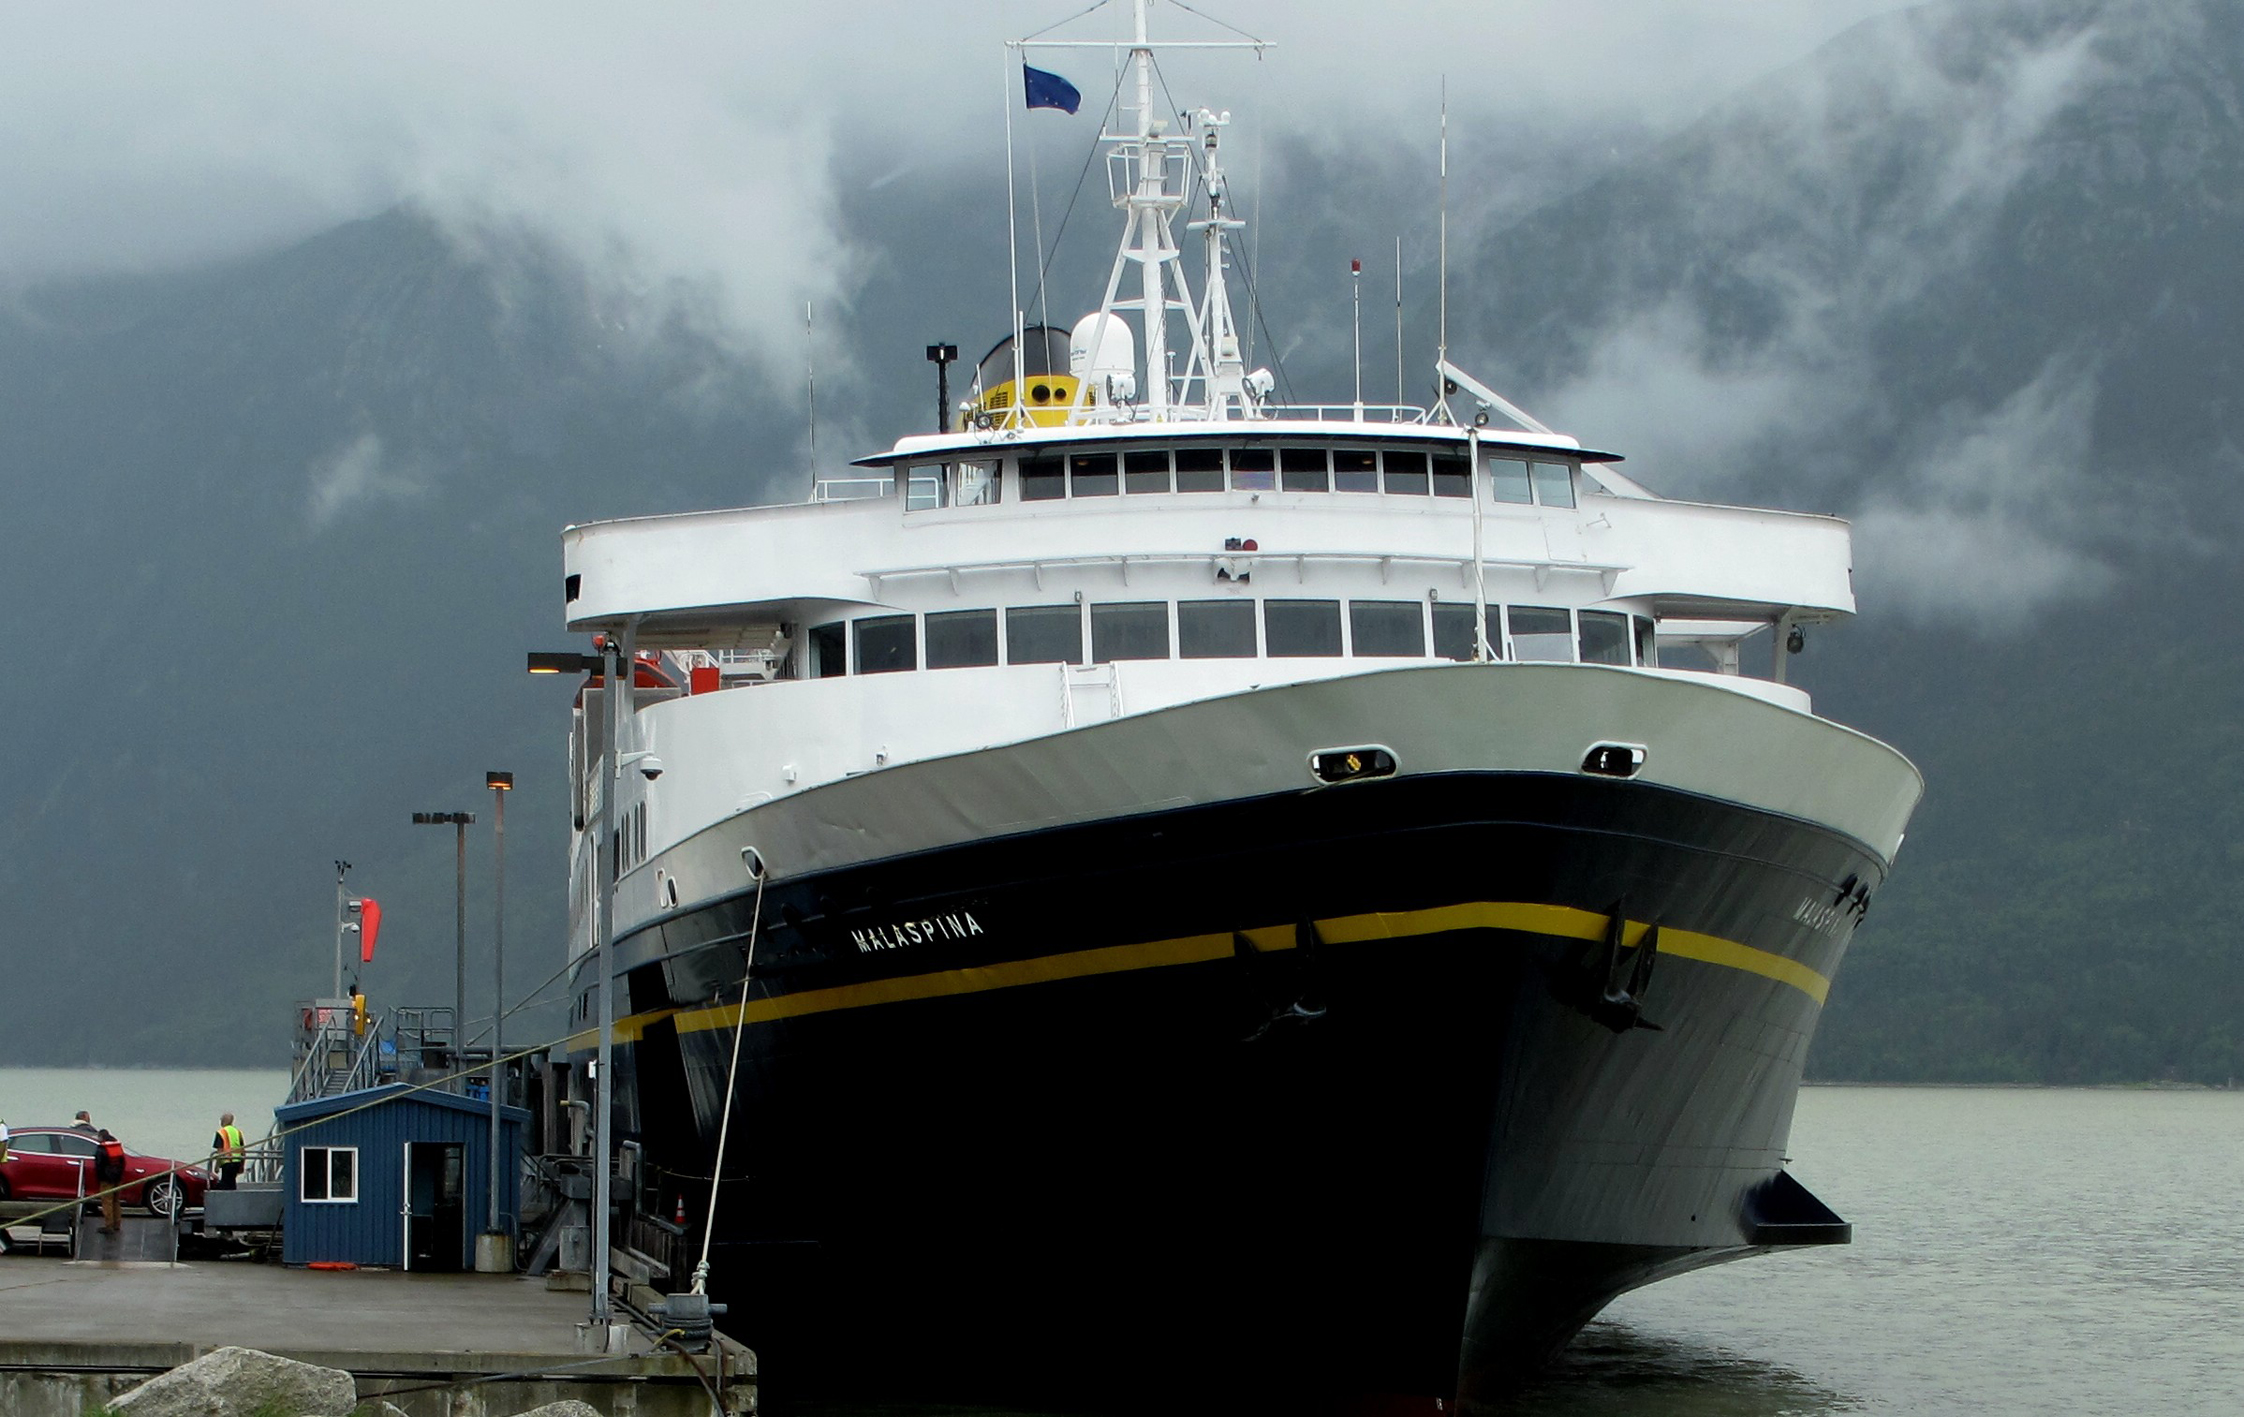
462 821
342 869
500 783
607 664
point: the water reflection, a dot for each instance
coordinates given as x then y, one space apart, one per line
1614 1368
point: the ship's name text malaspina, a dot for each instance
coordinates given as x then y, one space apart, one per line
958 925
1830 920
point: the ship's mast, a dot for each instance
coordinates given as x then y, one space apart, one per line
1149 171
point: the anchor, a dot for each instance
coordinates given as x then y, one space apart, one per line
1613 995
1306 1006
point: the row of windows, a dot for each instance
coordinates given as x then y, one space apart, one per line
1220 629
1406 472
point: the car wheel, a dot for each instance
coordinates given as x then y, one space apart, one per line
162 1197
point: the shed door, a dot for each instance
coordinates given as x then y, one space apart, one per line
435 1206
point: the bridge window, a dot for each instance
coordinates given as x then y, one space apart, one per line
1406 474
828 650
1091 475
1044 634
1215 629
1604 637
887 644
1301 628
1303 470
1554 484
1254 469
1355 470
1453 631
975 484
1043 480
1199 469
1387 628
1146 470
1543 633
1136 630
1508 482
1453 475
961 639
1647 643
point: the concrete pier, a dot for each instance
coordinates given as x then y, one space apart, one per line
74 1334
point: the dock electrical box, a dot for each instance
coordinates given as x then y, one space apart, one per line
394 1177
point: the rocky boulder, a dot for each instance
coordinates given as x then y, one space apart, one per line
239 1382
569 1407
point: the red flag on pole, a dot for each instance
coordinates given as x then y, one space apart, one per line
370 918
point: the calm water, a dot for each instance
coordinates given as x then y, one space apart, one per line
160 1113
2015 1251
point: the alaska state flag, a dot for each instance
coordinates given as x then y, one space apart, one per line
1049 90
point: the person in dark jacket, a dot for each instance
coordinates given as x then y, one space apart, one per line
109 1172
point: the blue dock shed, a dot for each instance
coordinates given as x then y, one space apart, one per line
403 1182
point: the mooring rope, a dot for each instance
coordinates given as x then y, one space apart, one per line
732 1077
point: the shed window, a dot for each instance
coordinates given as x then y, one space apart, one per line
1542 633
1146 470
1215 629
1355 470
886 644
1199 469
1303 470
1554 484
1254 470
961 639
1136 630
328 1174
1044 634
1042 480
1507 481
1091 475
1387 628
1302 628
1604 637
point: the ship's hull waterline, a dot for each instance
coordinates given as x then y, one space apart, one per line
1317 1090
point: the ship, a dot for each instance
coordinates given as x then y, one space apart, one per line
1166 886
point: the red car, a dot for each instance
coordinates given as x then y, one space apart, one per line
56 1163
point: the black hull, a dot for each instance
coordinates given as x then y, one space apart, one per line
1066 1122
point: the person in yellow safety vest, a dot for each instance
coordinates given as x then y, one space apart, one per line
358 1013
227 1142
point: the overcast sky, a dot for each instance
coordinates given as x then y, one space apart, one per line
688 152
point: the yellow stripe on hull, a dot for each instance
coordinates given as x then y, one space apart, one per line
1553 921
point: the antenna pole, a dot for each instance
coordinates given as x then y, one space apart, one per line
810 379
1013 241
1441 360
1401 397
1356 288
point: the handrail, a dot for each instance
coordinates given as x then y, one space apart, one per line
1248 560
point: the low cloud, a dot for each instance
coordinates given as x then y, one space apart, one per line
685 156
350 476
1994 515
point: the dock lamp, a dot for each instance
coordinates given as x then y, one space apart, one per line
610 664
461 821
500 783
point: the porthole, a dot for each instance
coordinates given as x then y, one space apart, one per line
1359 764
1614 760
